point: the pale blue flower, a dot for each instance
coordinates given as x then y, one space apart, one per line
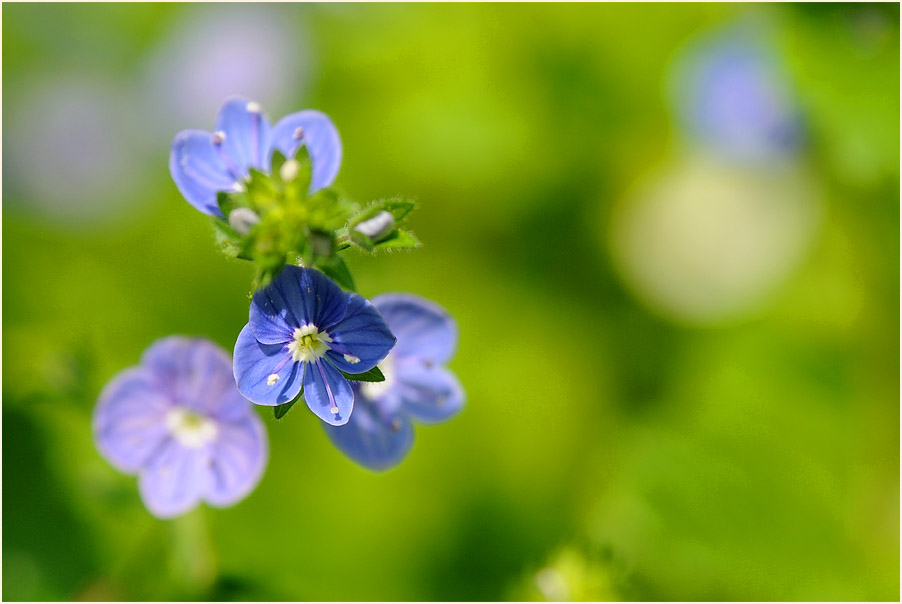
178 422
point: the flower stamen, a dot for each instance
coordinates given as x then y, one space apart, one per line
218 139
190 429
309 344
322 373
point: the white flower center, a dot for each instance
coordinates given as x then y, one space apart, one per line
374 390
189 428
309 344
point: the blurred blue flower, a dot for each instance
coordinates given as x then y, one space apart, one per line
304 330
731 95
416 385
178 421
203 163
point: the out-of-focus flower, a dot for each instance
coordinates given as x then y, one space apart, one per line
731 96
416 387
304 330
76 158
179 423
203 163
213 52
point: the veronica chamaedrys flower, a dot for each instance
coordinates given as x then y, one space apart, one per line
204 163
416 387
178 422
302 330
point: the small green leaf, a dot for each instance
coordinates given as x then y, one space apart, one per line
279 411
336 269
400 239
373 375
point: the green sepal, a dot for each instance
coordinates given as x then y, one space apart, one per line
400 239
276 162
279 411
296 189
361 240
225 203
336 269
398 207
373 375
231 243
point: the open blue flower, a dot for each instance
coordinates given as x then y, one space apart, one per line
416 384
205 163
179 423
302 330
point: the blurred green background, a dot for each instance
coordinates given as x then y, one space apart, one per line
622 440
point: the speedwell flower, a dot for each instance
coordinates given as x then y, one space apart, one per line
205 163
304 330
416 384
179 423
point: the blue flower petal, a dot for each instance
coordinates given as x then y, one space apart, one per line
371 439
271 316
317 392
237 459
424 329
172 481
322 141
247 135
197 374
198 170
129 420
254 363
429 394
363 334
314 296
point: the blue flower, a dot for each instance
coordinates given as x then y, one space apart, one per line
416 384
204 163
732 96
179 423
302 330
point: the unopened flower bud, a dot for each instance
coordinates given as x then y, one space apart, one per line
290 170
377 227
243 220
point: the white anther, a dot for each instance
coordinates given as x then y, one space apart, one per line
219 137
334 410
298 133
272 379
254 107
350 358
290 170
